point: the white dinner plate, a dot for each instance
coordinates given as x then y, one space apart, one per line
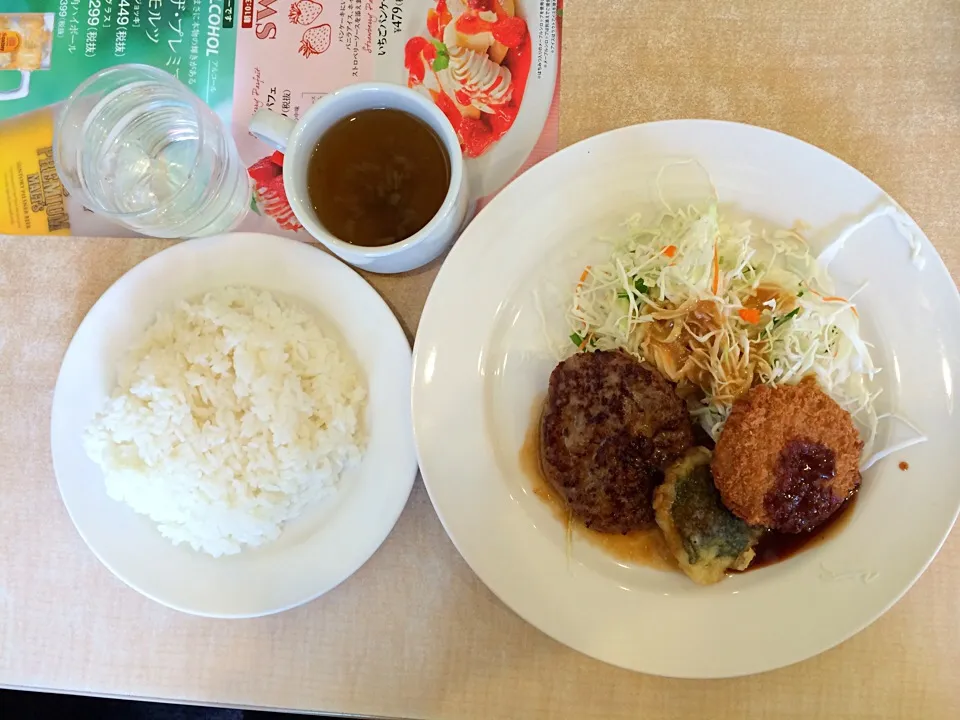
332 539
485 349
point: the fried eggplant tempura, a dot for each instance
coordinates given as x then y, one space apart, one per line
706 538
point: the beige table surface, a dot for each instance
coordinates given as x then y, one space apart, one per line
414 633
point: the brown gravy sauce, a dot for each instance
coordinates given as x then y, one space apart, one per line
647 547
776 546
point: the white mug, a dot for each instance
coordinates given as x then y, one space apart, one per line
22 90
298 140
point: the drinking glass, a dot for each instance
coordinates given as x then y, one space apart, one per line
135 145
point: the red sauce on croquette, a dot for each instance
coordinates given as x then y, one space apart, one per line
802 497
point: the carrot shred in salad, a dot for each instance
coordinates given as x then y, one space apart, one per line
750 315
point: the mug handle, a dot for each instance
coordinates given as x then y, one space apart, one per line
20 92
272 128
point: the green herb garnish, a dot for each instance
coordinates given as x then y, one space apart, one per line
777 322
641 288
576 339
442 59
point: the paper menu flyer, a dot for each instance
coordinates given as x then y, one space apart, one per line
490 65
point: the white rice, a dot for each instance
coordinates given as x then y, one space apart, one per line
231 414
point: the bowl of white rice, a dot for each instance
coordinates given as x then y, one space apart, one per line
230 428
231 415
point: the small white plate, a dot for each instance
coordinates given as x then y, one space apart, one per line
483 357
330 541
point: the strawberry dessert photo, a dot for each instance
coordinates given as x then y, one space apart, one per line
473 62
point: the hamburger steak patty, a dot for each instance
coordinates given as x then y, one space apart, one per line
610 426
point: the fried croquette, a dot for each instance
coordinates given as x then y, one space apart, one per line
705 537
610 426
787 457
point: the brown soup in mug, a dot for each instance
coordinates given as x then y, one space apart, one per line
378 176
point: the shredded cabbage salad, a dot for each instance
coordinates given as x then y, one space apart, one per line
718 307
